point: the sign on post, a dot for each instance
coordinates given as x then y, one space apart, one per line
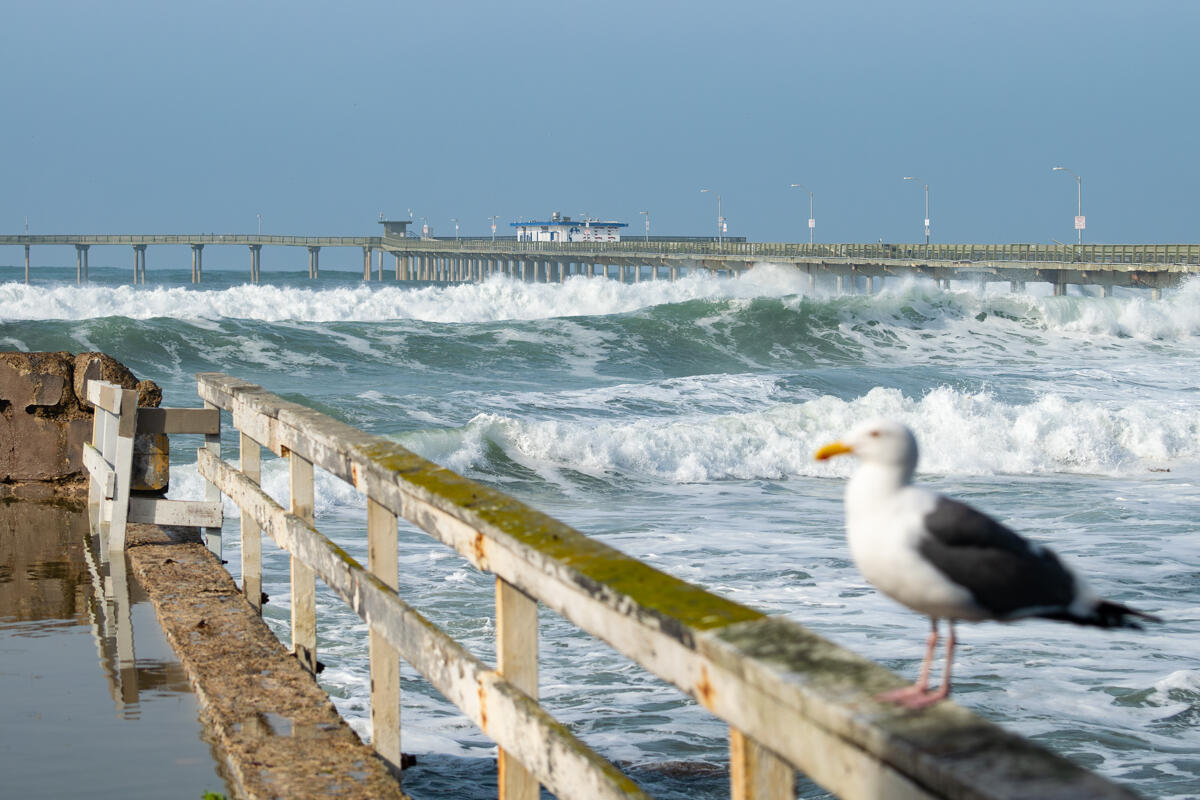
1080 223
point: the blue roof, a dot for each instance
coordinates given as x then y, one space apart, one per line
573 223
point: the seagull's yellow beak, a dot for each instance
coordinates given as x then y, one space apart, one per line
833 449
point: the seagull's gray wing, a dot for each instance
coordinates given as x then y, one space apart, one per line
1007 575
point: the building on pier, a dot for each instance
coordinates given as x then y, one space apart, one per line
564 229
395 227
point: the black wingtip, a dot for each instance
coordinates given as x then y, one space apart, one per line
1115 615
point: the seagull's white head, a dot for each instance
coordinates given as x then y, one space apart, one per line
879 442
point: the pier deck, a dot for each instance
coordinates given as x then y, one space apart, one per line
846 267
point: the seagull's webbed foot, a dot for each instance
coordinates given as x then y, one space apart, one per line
918 695
925 699
899 696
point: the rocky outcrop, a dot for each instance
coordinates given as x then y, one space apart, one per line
45 418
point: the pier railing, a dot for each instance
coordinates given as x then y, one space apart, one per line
792 699
1001 253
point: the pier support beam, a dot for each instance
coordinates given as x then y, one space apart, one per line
26 264
139 264
255 263
314 261
367 263
1155 292
198 264
1060 289
1016 286
81 263
379 267
1106 290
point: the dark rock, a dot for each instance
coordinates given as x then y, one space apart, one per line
45 420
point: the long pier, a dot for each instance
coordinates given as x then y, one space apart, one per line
849 267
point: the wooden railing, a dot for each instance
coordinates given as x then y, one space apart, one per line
116 421
792 699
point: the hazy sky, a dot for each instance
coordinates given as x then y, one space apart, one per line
166 117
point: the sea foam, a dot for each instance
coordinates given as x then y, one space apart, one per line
1051 434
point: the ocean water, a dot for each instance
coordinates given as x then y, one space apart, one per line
677 422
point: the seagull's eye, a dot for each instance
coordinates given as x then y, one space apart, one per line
875 434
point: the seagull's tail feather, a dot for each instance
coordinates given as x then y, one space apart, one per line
1105 614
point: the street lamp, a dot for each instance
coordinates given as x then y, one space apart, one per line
455 221
260 224
812 223
926 185
720 217
647 215
1080 220
493 219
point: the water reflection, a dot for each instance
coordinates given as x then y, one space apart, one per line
63 607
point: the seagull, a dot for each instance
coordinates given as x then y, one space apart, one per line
947 560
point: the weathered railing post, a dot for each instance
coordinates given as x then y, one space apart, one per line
118 445
756 773
382 555
517 661
304 590
212 443
251 463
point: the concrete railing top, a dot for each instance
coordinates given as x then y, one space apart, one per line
800 697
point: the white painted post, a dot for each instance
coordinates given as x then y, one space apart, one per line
212 443
119 437
382 554
756 773
96 498
517 661
251 455
304 590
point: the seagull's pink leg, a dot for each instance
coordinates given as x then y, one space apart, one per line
929 698
921 687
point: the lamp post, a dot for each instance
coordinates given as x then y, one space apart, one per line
260 224
812 223
455 221
926 185
493 218
720 216
646 214
1080 220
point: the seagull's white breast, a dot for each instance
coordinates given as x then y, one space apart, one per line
884 527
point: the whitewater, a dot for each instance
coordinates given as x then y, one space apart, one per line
677 421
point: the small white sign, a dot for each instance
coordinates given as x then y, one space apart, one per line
927 222
1080 223
812 223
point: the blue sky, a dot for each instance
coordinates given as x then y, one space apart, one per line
131 117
